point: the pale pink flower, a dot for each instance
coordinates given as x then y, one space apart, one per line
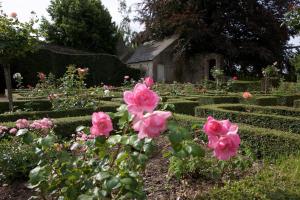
247 95
126 77
101 124
82 71
227 146
81 136
141 99
151 125
215 127
235 78
13 131
13 15
41 76
3 129
22 123
52 96
149 82
44 124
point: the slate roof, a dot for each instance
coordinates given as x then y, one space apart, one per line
150 50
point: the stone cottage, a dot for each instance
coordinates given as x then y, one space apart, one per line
156 59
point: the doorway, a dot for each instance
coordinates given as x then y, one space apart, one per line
161 73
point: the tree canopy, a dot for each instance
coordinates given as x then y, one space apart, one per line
246 32
16 38
81 24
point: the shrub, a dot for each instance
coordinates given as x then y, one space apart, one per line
16 160
203 100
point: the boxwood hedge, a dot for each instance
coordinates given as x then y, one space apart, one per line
284 123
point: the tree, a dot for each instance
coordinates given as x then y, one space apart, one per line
293 17
16 40
246 32
81 24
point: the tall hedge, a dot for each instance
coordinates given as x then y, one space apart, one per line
104 68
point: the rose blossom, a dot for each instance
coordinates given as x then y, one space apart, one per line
82 71
235 78
151 124
247 95
227 146
223 138
22 123
126 77
214 127
41 76
13 15
102 124
3 129
140 99
149 82
43 124
13 131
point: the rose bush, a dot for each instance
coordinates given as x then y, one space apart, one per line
107 159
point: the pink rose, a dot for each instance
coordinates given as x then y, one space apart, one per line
214 127
223 137
102 124
22 123
3 129
227 146
151 125
82 71
149 82
13 15
140 99
44 124
126 77
13 131
41 76
247 95
235 78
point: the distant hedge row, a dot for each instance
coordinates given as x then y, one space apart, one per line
103 67
222 111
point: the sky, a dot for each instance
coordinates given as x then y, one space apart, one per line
24 7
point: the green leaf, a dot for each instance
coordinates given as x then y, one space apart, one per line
80 128
194 150
102 176
85 197
114 139
36 175
113 183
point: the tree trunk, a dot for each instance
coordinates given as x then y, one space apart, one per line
6 68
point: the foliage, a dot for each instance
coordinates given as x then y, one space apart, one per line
16 38
232 28
81 24
16 159
271 70
293 17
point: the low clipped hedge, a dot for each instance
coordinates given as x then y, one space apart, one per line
11 117
184 106
284 123
264 143
204 100
272 110
242 86
288 100
297 104
279 181
38 105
